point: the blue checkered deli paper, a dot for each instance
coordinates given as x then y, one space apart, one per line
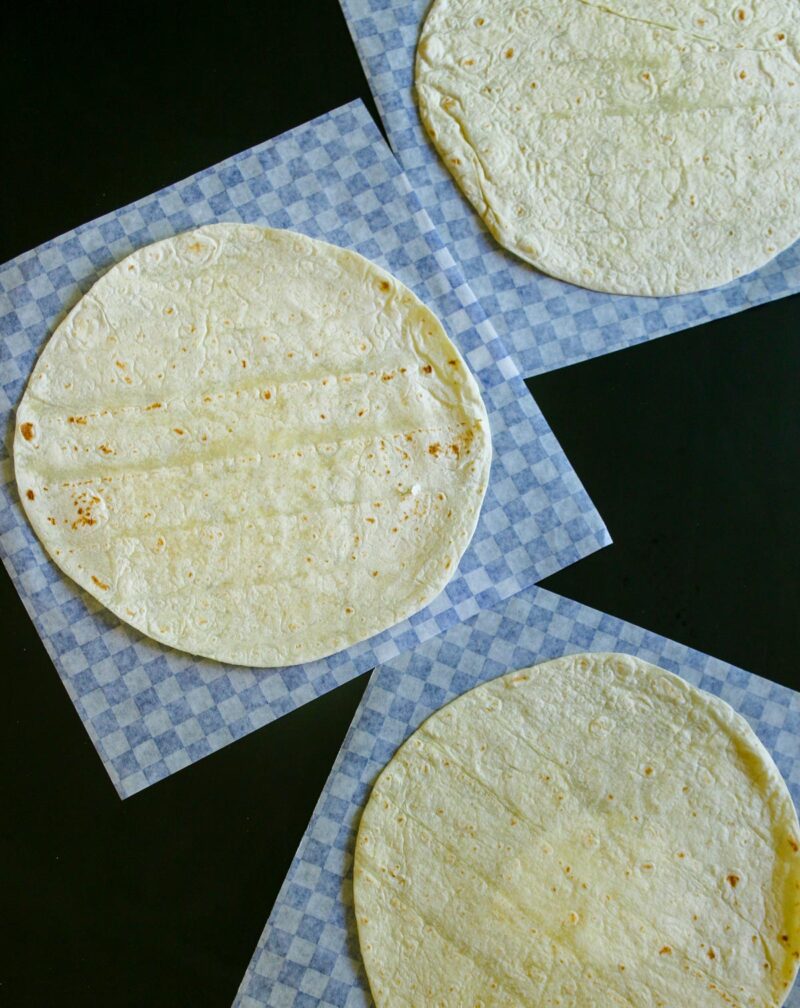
308 953
545 323
149 710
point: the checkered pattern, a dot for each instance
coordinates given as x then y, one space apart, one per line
546 323
308 953
149 710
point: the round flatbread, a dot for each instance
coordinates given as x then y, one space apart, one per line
590 831
637 148
253 446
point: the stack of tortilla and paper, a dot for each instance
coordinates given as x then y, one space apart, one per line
264 439
548 806
637 154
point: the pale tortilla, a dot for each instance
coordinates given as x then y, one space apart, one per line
590 831
636 147
253 446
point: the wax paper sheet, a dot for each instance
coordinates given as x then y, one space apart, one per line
545 323
308 953
149 710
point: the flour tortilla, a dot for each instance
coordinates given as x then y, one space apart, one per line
635 147
590 831
253 446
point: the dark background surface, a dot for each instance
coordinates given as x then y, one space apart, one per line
689 446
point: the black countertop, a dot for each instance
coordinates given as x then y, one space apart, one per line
689 446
